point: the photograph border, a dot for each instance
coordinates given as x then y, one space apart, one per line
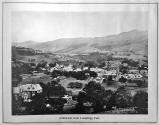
3 110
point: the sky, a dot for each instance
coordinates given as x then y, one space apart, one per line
48 26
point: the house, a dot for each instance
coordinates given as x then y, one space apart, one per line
85 68
132 76
77 69
15 91
112 65
97 70
69 100
25 76
125 64
29 90
133 71
68 68
144 72
112 73
138 76
99 80
43 69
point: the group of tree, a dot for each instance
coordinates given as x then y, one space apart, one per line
16 51
140 101
19 68
101 100
123 69
80 75
75 85
139 82
93 93
90 64
131 62
16 104
143 67
41 64
52 64
52 88
122 79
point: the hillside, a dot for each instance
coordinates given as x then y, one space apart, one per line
133 41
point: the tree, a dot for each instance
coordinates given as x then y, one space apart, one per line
110 78
15 54
55 89
94 94
16 105
42 64
92 73
51 96
90 64
108 99
52 64
32 64
109 57
122 79
44 88
123 69
36 105
102 64
140 101
76 85
122 98
56 73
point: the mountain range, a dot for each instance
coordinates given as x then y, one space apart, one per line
132 41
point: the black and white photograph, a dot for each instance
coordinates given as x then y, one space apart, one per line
81 60
78 62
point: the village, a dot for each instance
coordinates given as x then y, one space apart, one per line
47 79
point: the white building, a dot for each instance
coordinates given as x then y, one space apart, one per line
78 69
29 90
134 71
132 76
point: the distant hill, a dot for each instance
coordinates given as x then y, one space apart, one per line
27 44
133 41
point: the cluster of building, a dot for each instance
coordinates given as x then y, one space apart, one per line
111 69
